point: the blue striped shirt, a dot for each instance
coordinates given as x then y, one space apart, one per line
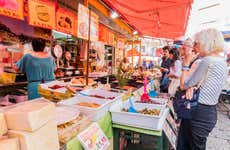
212 72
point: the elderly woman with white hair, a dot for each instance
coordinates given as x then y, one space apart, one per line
211 73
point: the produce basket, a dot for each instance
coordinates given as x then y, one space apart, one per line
145 121
55 95
97 113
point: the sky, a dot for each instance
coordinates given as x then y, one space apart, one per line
209 13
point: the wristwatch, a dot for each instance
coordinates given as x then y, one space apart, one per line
185 68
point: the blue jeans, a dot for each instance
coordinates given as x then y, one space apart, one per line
193 133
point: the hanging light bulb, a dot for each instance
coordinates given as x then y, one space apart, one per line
135 32
114 15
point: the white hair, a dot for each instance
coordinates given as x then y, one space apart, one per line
210 40
188 42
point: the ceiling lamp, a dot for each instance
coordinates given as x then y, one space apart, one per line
114 15
135 32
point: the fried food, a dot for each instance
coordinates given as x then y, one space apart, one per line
92 105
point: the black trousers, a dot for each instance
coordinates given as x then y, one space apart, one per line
193 133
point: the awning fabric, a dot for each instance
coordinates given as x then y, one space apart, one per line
155 18
134 53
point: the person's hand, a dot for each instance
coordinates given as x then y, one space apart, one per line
189 93
187 59
164 70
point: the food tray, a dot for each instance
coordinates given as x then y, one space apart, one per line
66 134
105 94
96 112
46 86
144 121
102 92
97 74
54 95
66 113
161 101
82 85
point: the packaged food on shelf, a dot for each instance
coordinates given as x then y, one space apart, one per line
7 78
96 112
44 138
30 115
148 116
9 144
3 127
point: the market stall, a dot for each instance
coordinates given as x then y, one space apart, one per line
93 103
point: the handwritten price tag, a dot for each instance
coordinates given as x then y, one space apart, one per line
93 138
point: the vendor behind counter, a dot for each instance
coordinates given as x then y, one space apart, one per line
38 66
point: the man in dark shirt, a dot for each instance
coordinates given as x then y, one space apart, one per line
166 61
165 66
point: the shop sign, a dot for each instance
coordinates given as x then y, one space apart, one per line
103 33
83 22
120 43
41 14
94 27
12 8
93 138
42 33
169 131
66 22
110 38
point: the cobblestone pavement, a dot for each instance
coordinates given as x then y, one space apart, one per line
219 138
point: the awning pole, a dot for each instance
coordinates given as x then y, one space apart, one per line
87 62
132 53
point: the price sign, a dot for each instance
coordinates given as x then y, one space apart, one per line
94 27
12 8
93 138
83 22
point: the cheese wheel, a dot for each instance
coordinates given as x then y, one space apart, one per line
9 144
30 116
45 138
3 127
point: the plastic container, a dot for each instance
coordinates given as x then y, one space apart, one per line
96 112
106 95
55 95
66 134
159 101
138 120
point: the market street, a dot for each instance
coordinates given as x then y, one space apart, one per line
219 138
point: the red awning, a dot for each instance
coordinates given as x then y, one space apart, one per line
156 18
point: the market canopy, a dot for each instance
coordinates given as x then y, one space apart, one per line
155 18
133 52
